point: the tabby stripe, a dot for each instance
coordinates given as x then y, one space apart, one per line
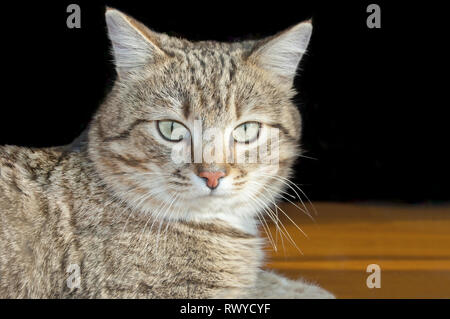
229 232
186 109
283 130
125 134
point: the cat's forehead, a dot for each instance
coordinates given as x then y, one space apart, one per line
209 65
212 82
207 58
209 85
206 74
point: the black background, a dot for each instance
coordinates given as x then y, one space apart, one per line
373 119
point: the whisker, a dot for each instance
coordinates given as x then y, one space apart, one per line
288 183
309 157
265 225
162 219
150 217
289 237
282 196
290 219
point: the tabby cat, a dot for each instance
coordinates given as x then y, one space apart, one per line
118 217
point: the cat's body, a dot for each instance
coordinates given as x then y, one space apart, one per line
92 213
55 212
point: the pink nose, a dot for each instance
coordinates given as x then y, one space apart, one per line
212 178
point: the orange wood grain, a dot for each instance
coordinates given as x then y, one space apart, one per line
411 244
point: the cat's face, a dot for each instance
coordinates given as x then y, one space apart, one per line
201 130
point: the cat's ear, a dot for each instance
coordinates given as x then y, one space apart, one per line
281 54
134 45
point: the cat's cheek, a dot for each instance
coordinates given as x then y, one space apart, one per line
225 187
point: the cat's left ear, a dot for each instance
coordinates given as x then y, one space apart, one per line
281 53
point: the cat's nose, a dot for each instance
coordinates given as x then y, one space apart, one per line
212 178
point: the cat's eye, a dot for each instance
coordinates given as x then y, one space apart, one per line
247 132
172 130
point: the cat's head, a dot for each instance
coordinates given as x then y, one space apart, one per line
178 134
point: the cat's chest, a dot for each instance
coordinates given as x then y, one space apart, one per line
207 263
176 260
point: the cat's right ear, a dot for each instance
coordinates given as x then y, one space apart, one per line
134 45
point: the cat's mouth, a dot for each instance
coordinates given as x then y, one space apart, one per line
217 193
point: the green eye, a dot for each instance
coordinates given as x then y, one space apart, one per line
247 132
172 131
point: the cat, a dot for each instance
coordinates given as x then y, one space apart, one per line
115 216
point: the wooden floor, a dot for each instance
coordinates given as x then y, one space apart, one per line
411 244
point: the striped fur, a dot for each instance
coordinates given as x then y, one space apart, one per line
137 224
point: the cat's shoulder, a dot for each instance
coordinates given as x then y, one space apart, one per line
23 163
29 158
